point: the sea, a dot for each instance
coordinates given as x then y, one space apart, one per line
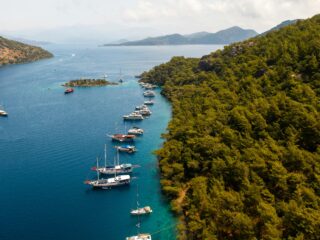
50 141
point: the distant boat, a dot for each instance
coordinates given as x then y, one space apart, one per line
149 102
126 148
145 112
133 116
108 183
120 78
135 131
140 107
3 113
140 236
122 137
69 90
149 93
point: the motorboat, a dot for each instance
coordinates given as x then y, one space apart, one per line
149 93
133 116
68 90
141 236
141 211
149 102
3 113
123 137
145 112
126 148
135 131
141 107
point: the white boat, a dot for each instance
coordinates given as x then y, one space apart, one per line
3 113
135 131
149 86
141 236
140 107
141 211
149 93
117 168
149 102
126 148
145 112
108 183
133 116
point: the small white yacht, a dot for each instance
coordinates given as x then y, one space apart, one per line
141 107
127 149
149 102
145 112
141 211
133 116
141 236
135 131
3 113
149 93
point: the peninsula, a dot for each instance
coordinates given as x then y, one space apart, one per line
88 83
12 52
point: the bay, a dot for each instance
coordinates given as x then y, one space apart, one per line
50 141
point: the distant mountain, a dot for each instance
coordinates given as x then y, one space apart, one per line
29 41
12 52
227 36
281 25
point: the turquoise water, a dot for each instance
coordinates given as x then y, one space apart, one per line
50 141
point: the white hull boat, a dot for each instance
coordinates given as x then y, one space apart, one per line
141 236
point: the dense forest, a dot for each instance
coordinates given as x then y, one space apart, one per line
241 158
16 52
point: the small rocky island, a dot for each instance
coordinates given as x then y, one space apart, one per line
88 83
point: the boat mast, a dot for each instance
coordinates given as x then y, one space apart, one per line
118 159
105 155
98 168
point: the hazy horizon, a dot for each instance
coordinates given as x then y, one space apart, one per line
103 21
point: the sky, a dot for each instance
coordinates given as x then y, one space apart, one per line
110 20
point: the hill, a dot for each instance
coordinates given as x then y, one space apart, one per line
241 158
227 36
281 25
12 52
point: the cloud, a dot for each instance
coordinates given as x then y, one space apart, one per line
152 17
258 14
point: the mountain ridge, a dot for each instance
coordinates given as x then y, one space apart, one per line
226 36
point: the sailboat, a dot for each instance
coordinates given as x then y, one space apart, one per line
108 183
116 168
120 79
140 211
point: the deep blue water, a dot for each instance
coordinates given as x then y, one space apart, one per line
50 141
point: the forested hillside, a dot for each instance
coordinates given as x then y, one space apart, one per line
242 153
16 52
